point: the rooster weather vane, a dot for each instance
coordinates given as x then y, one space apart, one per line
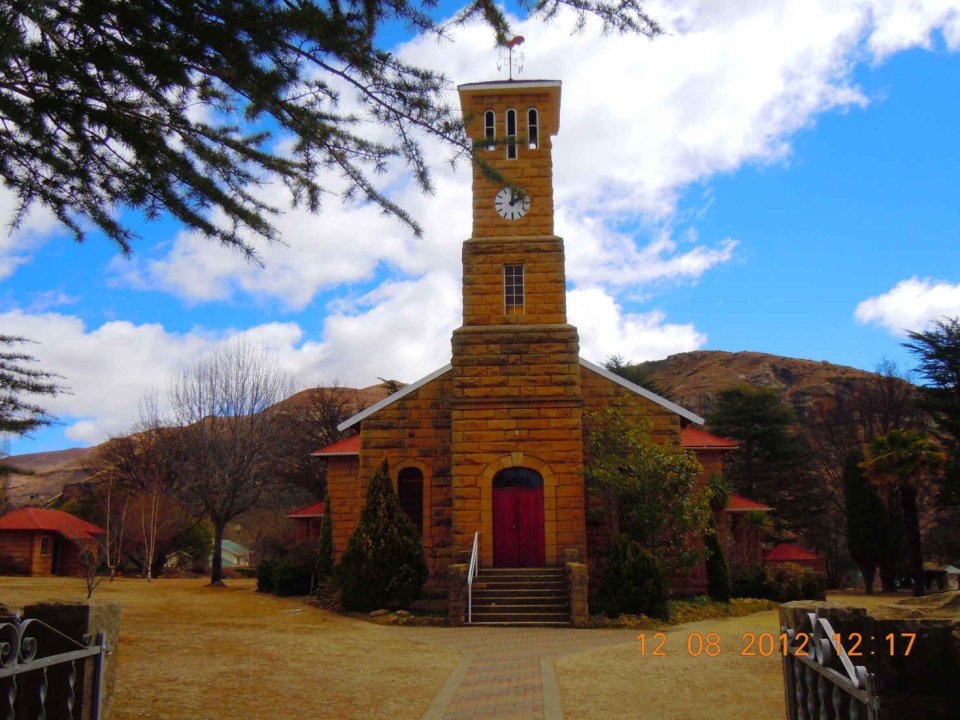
511 61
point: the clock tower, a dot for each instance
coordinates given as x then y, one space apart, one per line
516 406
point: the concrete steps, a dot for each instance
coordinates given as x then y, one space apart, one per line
529 597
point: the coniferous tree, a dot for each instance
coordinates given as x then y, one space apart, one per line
718 572
870 535
325 549
383 564
177 107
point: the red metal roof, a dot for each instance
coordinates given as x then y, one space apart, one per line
785 552
691 437
738 503
33 519
347 446
315 510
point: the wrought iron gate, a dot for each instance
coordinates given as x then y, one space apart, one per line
820 680
47 684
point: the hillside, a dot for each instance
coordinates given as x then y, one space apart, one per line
52 470
693 379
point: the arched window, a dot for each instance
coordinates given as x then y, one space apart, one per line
518 477
533 129
511 134
410 494
490 128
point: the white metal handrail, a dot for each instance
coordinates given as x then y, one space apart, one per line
471 574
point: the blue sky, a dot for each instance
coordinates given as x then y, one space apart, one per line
778 177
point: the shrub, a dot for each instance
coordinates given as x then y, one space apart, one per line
383 565
325 551
265 572
294 573
718 574
9 566
633 582
781 583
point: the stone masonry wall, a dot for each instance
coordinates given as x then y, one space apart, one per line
415 431
545 290
532 170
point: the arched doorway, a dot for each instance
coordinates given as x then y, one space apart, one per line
518 537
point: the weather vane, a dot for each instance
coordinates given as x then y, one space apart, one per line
510 59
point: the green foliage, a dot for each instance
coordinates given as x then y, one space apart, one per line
869 527
770 464
18 380
719 492
634 582
185 108
325 549
197 542
294 573
718 573
637 373
938 353
383 565
265 574
781 583
651 488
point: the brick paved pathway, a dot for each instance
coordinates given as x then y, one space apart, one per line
507 673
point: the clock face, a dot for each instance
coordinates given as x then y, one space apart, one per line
511 203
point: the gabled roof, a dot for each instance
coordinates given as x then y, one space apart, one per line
347 446
738 503
691 437
636 389
643 392
310 511
390 399
785 552
233 547
57 521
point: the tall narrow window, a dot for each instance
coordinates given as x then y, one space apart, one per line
513 290
511 134
410 495
533 129
490 128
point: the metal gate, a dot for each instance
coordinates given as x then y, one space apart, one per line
45 686
820 680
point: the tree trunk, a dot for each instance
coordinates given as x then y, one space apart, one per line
911 522
216 564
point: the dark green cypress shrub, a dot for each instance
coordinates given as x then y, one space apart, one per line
325 548
633 582
265 572
383 565
294 573
718 573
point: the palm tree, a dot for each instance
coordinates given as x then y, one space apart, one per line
900 459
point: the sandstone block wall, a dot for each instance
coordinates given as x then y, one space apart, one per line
415 431
532 169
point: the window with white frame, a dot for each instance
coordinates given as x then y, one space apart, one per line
490 128
511 134
533 129
513 290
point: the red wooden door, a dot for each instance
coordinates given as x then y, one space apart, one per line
518 539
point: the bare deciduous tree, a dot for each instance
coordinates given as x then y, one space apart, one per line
227 446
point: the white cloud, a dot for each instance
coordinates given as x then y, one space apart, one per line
606 330
17 246
910 305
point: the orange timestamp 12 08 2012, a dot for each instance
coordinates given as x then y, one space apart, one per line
765 644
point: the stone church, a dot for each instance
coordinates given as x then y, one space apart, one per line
493 443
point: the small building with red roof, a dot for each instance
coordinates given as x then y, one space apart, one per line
790 554
307 521
45 542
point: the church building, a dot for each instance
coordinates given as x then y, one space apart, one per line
493 443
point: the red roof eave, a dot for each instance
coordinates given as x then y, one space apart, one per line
347 446
55 521
738 503
696 439
310 511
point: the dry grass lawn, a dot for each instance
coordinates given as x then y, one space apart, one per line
189 651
